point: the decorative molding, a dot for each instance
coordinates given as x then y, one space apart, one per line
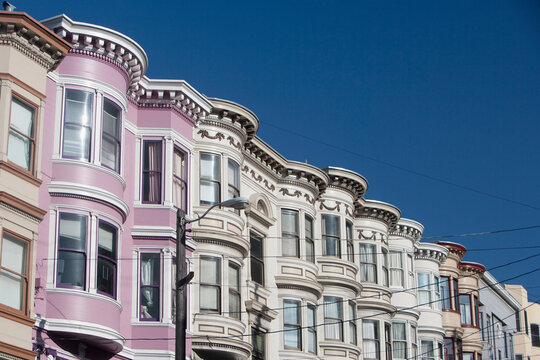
286 192
432 252
375 213
349 211
309 199
237 145
258 178
329 208
205 134
22 207
21 173
372 235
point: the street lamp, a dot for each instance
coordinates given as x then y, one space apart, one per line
237 203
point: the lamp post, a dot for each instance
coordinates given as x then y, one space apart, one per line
182 279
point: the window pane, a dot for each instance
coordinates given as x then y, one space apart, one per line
150 302
234 277
72 232
12 286
331 246
309 227
111 119
110 152
256 246
310 251
78 107
77 124
71 268
152 172
150 269
289 221
209 298
291 336
14 254
233 174
106 276
210 166
76 141
465 309
20 149
209 192
107 241
210 270
290 246
330 225
22 117
291 313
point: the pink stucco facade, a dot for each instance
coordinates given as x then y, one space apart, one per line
116 166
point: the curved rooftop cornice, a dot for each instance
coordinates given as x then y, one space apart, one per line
177 93
104 43
473 267
430 251
455 248
226 110
32 38
409 229
349 180
378 210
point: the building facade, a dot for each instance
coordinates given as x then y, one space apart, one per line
116 166
498 313
28 51
527 336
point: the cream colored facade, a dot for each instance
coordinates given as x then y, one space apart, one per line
529 315
28 51
311 255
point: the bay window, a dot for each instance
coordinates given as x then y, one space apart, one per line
310 246
352 322
71 266
333 318
107 259
289 232
429 294
21 143
330 235
292 325
368 263
111 135
210 179
150 287
350 246
370 343
428 351
234 291
152 162
210 284
312 328
78 117
14 261
396 268
470 356
179 179
399 337
257 259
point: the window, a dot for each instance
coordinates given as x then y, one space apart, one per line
71 267
399 337
234 291
310 246
437 293
476 312
385 278
469 356
111 135
455 289
179 179
489 329
428 352
388 340
414 343
411 270
258 341
210 179
151 172
352 322
21 134
445 293
312 328
465 309
150 291
333 318
424 290
173 288
535 335
518 322
526 322
78 124
483 328
350 247
210 284
330 232
234 179
368 263
370 331
257 260
396 269
505 344
292 325
14 272
289 232
107 259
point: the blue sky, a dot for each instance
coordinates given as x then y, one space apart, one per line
450 90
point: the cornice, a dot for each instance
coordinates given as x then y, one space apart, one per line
472 267
348 180
378 210
259 309
228 111
432 252
454 248
33 39
22 207
409 229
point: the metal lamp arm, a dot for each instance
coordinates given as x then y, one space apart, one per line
203 215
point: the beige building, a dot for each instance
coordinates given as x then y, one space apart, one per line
527 337
28 51
459 302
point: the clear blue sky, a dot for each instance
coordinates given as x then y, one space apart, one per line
447 89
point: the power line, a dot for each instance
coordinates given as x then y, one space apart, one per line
404 169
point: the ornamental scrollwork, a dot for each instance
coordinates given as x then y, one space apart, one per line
269 186
309 199
372 235
237 145
336 207
285 191
349 211
204 134
257 178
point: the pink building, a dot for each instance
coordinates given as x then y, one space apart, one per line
116 165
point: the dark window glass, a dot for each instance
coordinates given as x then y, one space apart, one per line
257 259
258 341
151 172
445 293
535 335
330 235
179 179
71 267
289 232
106 266
149 285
